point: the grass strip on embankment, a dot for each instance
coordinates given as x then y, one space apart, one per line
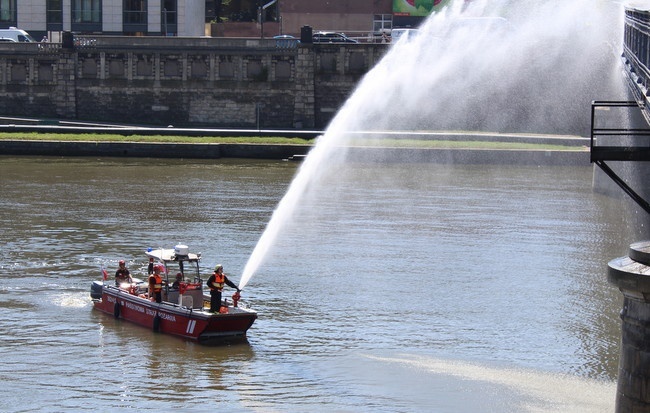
272 140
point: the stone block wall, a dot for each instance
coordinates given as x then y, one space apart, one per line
189 83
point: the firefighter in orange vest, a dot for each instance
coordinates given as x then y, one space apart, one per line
156 283
216 282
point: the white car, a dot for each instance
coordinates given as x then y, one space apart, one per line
408 34
16 35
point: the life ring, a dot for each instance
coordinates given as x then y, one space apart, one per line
116 310
156 323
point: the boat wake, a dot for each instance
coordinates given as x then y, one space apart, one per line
77 299
532 391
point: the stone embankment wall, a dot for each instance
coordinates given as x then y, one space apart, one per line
210 82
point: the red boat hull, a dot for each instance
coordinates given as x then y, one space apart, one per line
168 318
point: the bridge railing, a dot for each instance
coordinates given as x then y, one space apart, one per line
636 51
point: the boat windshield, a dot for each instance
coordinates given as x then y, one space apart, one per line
189 269
186 264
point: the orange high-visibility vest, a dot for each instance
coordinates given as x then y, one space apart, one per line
218 282
157 282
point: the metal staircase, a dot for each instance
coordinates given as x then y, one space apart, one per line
603 150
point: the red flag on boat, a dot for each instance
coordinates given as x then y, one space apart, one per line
105 274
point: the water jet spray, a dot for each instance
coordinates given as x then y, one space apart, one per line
535 73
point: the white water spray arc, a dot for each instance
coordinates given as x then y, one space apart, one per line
510 66
285 208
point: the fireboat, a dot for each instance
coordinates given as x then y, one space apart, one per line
184 310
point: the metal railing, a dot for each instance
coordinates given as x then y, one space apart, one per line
636 54
618 144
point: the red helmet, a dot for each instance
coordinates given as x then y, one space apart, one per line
121 263
159 268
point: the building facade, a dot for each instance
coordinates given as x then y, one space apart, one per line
108 17
234 18
351 17
357 18
376 16
354 17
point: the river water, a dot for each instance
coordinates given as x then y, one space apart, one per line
395 288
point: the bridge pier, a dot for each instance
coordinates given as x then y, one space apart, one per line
632 276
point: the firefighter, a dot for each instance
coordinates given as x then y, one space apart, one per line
156 283
216 282
179 279
122 275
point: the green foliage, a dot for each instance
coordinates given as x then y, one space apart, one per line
425 4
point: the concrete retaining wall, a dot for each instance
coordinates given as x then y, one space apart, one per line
217 150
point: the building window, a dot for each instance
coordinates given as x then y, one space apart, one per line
169 17
216 10
54 12
241 11
135 11
211 12
86 11
8 11
382 23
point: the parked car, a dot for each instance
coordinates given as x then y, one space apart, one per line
17 35
331 37
398 33
286 41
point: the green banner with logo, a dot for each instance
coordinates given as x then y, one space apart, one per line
417 7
